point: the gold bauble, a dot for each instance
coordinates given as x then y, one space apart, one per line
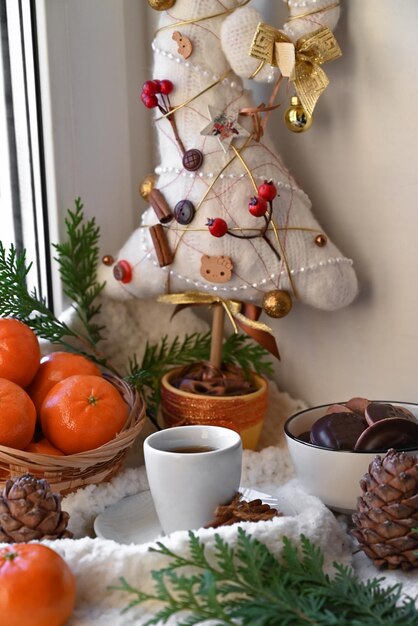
277 303
161 5
146 186
296 118
321 240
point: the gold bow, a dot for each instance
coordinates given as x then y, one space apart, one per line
239 313
301 61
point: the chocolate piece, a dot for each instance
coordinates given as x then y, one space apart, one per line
161 245
338 431
192 160
160 206
305 436
358 405
390 432
377 411
184 212
337 408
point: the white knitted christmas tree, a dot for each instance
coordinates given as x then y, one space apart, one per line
279 250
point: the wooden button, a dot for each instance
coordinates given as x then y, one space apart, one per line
192 160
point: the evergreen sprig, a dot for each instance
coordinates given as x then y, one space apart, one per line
28 307
77 258
247 585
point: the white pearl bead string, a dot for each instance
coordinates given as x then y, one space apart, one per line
159 169
233 84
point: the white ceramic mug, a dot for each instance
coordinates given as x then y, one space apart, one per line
188 486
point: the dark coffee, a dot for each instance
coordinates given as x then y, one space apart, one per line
192 449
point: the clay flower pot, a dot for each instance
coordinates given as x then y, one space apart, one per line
244 414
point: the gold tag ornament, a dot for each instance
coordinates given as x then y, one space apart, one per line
310 52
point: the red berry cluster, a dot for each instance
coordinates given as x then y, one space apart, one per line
153 92
266 193
257 207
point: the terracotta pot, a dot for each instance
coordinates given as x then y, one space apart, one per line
244 414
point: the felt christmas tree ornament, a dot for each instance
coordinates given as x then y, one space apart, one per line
214 224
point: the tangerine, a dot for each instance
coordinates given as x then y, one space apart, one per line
19 351
43 446
37 586
55 367
82 412
17 415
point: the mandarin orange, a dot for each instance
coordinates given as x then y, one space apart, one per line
37 586
19 351
55 367
17 415
82 412
43 446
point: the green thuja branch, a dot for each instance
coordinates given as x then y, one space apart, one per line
242 351
78 259
247 585
159 358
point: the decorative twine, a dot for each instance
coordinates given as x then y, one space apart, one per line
202 19
301 16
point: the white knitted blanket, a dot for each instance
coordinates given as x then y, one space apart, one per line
98 563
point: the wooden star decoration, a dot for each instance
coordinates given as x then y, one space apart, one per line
225 127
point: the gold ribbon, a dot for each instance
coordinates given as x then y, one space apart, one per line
239 313
301 61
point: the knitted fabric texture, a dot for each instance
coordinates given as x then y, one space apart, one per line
323 276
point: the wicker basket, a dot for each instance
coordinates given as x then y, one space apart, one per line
67 473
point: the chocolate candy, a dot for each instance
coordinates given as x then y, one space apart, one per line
362 425
339 431
390 432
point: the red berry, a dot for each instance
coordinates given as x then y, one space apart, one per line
217 227
166 87
157 85
267 190
149 88
257 206
149 101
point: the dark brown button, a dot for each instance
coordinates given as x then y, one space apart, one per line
192 160
184 212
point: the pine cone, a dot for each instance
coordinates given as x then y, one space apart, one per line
29 510
387 512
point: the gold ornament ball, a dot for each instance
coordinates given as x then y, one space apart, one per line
296 118
321 240
161 5
146 186
277 303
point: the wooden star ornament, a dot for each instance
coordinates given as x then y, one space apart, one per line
225 127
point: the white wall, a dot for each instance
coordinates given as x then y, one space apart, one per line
357 163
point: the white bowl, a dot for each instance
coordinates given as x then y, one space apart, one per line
331 475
